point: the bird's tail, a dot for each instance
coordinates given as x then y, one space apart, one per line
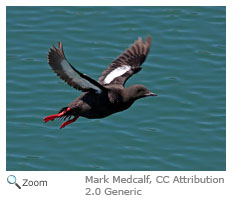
63 109
67 113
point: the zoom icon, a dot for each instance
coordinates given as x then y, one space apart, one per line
12 180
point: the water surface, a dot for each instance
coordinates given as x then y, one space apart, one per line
183 128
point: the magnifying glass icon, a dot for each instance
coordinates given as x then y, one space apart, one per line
12 180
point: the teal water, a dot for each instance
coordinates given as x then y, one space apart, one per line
183 128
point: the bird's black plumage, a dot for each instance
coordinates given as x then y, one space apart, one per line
133 57
108 95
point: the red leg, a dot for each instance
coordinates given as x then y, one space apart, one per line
52 117
69 122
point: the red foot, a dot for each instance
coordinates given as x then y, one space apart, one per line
52 117
69 122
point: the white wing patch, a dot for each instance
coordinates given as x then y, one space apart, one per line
77 78
115 73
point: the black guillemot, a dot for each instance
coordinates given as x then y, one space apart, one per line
108 95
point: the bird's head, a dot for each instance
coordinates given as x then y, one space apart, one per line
138 91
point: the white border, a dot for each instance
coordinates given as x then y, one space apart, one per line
3 88
117 3
64 185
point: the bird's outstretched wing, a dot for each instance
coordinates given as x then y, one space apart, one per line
127 64
68 73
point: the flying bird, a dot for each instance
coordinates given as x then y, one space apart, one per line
107 95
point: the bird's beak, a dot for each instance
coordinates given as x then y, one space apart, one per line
151 94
